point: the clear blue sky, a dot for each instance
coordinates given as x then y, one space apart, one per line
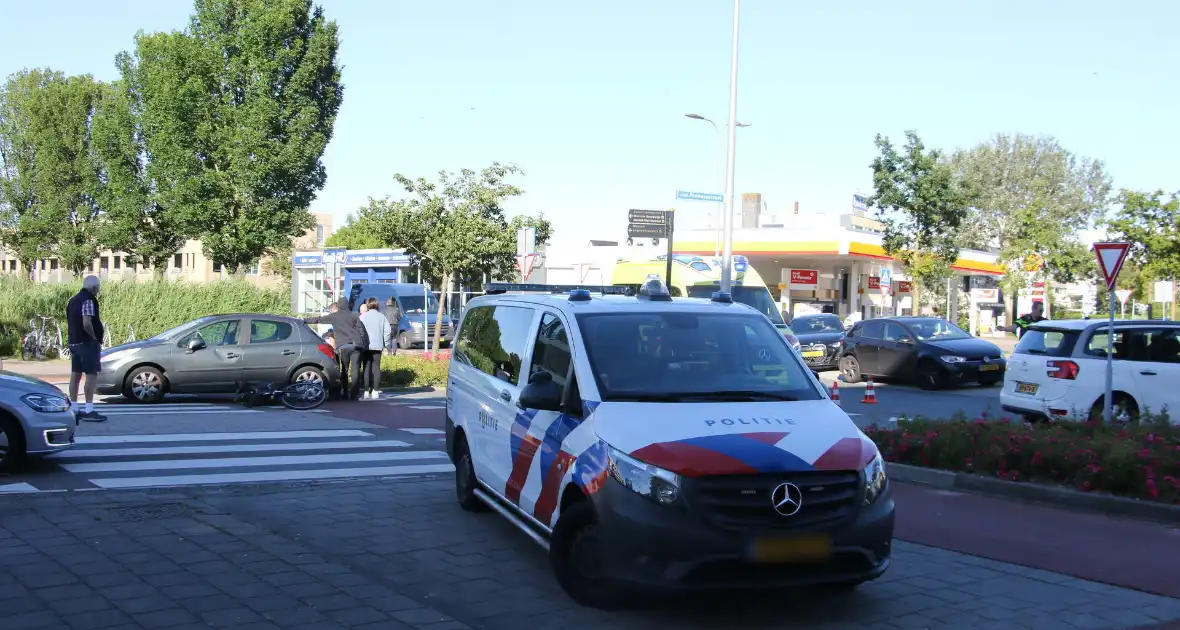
589 99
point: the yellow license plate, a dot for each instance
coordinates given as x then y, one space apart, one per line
801 549
991 367
813 353
1026 388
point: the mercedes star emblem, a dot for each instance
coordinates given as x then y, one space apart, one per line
787 499
763 354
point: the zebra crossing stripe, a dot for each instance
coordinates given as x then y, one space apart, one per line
89 453
250 462
16 488
275 475
423 431
218 437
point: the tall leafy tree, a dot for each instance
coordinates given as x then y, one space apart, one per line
1032 196
455 226
922 205
356 233
237 112
65 181
137 222
1151 224
24 229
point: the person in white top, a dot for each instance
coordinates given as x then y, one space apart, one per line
380 337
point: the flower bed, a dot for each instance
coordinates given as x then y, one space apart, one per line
1140 461
415 370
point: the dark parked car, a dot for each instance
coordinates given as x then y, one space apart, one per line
819 336
931 351
213 354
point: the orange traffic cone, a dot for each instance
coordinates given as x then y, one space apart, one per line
836 393
870 393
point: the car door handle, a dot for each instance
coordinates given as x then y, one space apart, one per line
1147 373
231 355
505 396
288 353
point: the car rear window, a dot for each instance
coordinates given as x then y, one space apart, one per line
1047 342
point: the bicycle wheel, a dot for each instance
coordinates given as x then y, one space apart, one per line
303 395
28 347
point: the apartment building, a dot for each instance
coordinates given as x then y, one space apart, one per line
189 263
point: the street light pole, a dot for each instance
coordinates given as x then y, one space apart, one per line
720 173
727 251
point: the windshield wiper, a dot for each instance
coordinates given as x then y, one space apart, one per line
738 395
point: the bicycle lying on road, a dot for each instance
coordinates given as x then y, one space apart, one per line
300 395
43 337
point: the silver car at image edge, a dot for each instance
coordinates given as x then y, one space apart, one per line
35 419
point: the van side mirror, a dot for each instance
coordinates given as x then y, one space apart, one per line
541 393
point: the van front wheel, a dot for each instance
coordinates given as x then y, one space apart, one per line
403 341
575 555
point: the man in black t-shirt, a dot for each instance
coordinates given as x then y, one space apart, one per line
85 332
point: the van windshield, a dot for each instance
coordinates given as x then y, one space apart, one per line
418 304
692 357
757 297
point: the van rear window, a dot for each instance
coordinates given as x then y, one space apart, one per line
1047 342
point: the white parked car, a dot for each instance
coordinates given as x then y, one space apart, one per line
1058 370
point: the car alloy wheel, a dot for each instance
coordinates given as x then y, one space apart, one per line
4 446
309 376
146 385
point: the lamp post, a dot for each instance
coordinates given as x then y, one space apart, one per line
720 172
727 250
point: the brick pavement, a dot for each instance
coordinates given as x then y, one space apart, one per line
397 554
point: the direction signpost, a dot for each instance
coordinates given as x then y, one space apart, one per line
885 278
1111 257
653 224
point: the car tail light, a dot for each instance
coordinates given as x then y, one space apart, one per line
1063 369
328 350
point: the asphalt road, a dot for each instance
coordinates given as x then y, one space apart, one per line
364 494
895 400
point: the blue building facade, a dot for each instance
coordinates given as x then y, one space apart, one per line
321 277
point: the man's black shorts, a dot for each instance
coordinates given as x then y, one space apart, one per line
84 357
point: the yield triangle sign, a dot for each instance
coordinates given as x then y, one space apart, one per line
1110 260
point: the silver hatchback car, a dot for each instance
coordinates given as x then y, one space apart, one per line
35 419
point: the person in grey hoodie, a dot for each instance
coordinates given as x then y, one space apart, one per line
380 337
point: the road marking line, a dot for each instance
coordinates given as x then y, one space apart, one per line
158 405
85 453
424 431
18 487
276 475
427 407
217 437
178 412
242 462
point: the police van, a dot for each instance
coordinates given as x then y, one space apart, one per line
658 443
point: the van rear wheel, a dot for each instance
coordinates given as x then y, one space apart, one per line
403 341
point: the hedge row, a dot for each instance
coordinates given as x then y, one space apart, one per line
414 370
1140 461
150 307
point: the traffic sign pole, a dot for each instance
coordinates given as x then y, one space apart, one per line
671 222
1110 261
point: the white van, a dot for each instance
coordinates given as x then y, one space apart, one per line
651 442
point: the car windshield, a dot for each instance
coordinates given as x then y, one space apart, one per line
757 297
692 357
936 330
418 304
172 331
817 324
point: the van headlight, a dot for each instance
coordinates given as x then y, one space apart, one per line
655 483
875 479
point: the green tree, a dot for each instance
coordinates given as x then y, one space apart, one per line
137 223
1152 226
356 234
922 205
1032 196
65 176
237 112
24 229
453 227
